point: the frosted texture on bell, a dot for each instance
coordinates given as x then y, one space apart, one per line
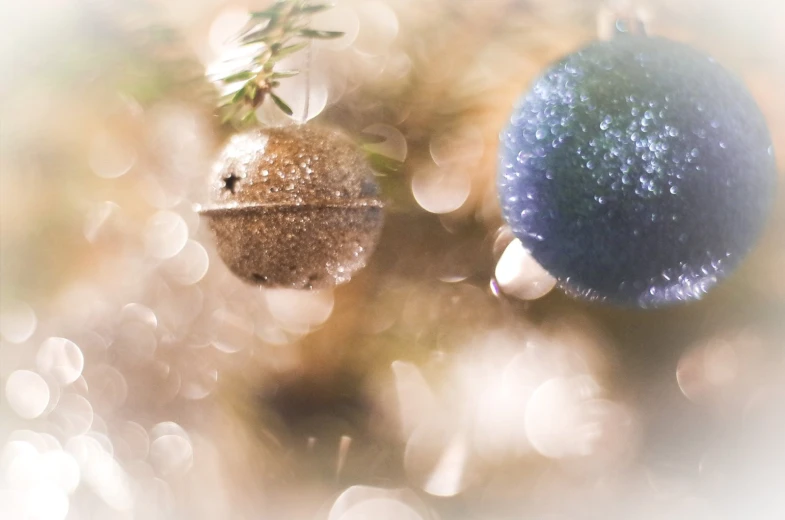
294 207
637 171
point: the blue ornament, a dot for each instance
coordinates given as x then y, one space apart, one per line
637 171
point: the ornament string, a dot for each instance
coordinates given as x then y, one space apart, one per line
307 76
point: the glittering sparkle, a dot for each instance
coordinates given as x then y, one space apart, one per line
637 171
294 207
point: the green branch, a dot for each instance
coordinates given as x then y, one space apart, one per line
246 76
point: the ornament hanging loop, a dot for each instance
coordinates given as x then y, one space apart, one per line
629 25
621 18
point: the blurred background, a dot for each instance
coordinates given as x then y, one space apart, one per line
139 379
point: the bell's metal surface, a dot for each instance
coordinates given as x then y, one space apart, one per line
294 207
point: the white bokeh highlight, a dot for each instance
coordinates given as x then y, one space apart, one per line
519 275
27 393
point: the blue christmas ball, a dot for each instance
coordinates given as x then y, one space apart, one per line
637 171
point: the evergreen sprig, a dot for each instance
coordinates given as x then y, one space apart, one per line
246 76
